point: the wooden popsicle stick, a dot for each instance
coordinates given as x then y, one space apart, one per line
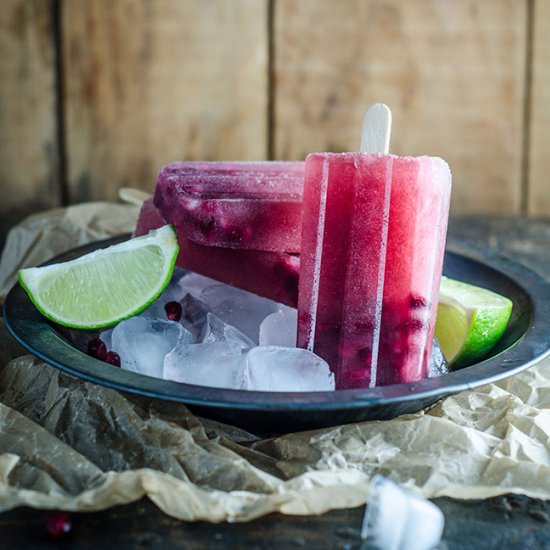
133 196
376 129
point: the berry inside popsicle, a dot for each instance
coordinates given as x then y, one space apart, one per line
373 239
273 275
373 230
240 205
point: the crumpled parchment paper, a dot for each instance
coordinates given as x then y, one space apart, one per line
69 444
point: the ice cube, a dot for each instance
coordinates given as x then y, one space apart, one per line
273 368
279 328
239 308
106 338
219 365
207 327
194 284
142 343
193 316
438 363
396 517
216 330
178 274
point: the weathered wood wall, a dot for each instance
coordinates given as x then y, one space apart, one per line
96 94
149 82
538 139
29 154
453 73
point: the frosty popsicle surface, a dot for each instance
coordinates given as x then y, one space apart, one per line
373 237
149 218
273 275
419 212
242 205
345 227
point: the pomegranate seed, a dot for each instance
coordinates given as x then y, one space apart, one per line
232 232
417 301
207 226
97 349
58 524
173 311
112 358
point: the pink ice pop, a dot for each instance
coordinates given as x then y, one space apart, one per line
419 212
373 238
241 205
149 218
273 275
270 274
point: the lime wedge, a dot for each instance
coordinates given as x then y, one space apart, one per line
107 285
470 321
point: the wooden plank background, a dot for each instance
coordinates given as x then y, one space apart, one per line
539 137
29 168
95 95
452 72
150 82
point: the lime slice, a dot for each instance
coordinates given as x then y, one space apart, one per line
470 321
107 285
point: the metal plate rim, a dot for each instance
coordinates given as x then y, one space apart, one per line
34 333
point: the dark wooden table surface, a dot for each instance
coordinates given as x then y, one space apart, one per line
506 522
502 523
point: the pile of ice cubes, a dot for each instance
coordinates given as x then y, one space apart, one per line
225 338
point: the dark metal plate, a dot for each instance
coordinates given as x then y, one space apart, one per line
525 342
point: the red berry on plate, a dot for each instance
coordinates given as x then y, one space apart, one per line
173 311
112 358
97 349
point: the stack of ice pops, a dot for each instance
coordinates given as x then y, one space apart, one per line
355 241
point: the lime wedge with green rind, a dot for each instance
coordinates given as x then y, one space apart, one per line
102 288
470 321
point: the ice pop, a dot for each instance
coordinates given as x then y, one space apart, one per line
419 212
373 237
149 218
241 205
273 275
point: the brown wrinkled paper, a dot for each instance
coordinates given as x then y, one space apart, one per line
69 444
